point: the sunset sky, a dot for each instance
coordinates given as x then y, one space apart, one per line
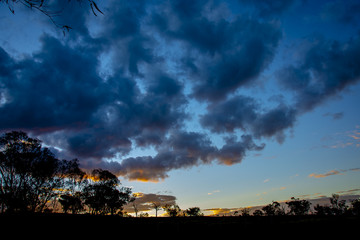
219 104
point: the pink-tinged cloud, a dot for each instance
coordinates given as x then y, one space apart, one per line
332 172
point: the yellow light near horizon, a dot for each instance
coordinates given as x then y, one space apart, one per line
138 194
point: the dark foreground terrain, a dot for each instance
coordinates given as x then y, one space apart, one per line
61 225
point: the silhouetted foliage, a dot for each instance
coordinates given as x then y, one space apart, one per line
273 209
337 207
193 212
31 176
258 213
72 203
29 173
172 210
355 207
298 207
245 212
104 196
43 7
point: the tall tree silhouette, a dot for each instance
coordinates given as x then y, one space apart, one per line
28 173
105 196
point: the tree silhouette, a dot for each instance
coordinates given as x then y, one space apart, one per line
336 207
258 212
71 202
273 209
104 196
298 207
245 212
193 212
172 210
29 173
355 207
156 206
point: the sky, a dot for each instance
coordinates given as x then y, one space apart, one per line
214 104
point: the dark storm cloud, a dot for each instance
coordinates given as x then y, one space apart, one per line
236 113
223 55
183 150
234 151
274 123
42 91
325 68
126 82
345 12
126 41
245 113
60 89
268 8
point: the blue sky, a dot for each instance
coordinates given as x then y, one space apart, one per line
222 104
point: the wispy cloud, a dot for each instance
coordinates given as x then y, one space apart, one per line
322 175
332 172
215 191
345 139
334 116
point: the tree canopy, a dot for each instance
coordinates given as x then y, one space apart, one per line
31 177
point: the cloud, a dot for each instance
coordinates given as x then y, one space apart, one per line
96 118
221 211
325 68
183 150
244 113
345 139
126 82
222 55
42 91
234 151
335 116
146 201
332 172
342 12
269 8
215 191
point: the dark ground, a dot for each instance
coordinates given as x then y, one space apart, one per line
85 226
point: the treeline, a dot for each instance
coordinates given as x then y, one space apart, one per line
296 207
32 179
301 207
